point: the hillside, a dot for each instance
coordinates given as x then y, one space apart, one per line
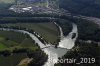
84 7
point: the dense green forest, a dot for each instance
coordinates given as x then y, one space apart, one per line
83 50
84 7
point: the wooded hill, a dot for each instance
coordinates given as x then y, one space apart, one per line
84 7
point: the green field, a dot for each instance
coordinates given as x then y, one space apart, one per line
9 40
2 46
48 30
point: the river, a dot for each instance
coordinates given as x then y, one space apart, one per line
67 41
53 53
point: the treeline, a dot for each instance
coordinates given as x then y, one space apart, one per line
39 58
9 13
28 17
22 20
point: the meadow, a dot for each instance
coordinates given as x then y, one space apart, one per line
9 40
47 30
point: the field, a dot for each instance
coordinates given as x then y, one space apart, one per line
10 40
48 30
2 46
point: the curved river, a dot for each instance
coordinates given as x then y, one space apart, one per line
53 53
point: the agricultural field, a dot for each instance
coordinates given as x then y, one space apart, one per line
10 40
47 30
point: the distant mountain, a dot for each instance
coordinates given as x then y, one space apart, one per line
84 7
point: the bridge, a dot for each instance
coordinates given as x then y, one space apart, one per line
53 46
